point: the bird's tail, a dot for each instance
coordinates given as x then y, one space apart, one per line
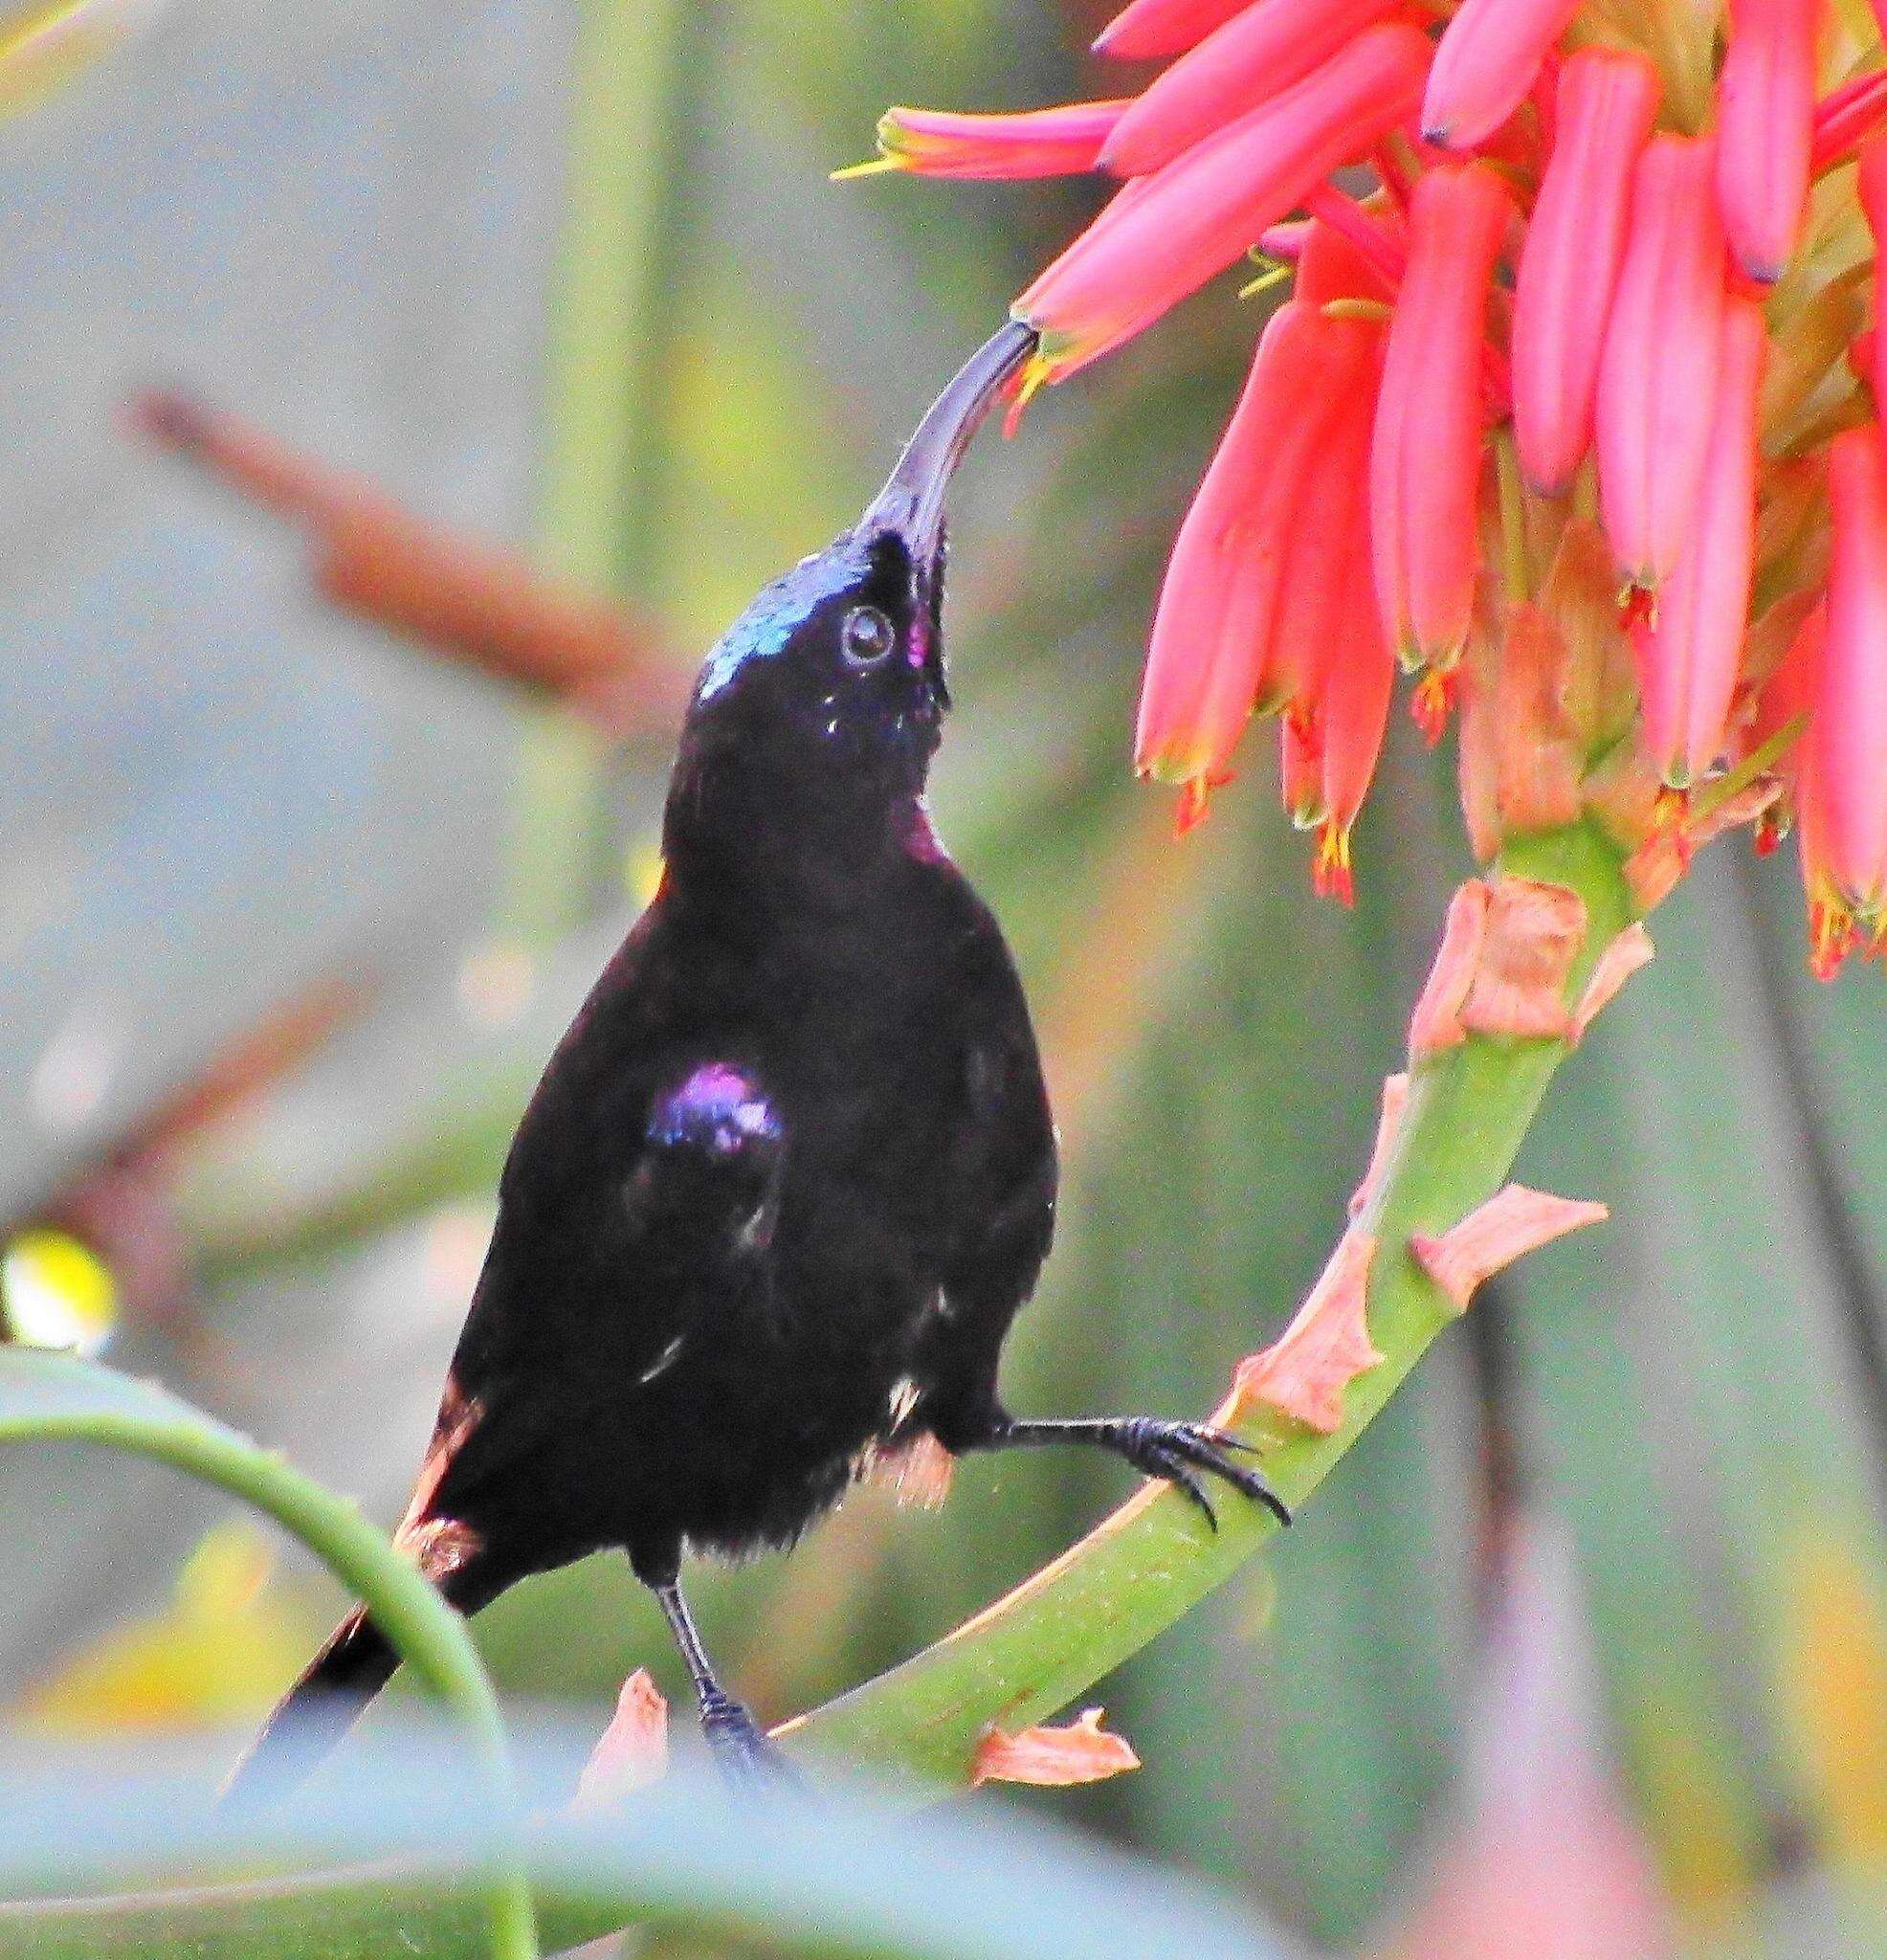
357 1662
336 1686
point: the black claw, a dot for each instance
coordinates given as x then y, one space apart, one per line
1180 1476
1167 1449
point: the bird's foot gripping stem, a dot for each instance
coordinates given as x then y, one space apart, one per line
743 1753
1175 1452
741 1748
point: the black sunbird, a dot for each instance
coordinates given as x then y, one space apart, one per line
792 1172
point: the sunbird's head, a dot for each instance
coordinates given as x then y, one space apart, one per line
828 694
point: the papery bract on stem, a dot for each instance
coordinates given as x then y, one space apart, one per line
1254 58
1485 63
1657 372
1569 268
1766 130
1165 235
1425 461
1032 142
1848 740
1688 657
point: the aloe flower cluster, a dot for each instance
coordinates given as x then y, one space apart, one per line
1569 411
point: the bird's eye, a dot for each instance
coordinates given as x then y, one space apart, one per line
867 636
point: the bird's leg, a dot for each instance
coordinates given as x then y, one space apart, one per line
1176 1452
732 1733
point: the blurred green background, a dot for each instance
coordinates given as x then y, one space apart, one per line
1583 1650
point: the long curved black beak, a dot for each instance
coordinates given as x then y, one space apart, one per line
912 502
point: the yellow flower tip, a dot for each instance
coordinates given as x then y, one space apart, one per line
1035 372
1831 934
873 166
1331 875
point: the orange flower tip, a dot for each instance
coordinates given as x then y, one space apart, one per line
1770 831
1631 950
1513 1222
1389 1126
1433 698
1331 874
632 1751
1303 1373
1079 1752
1194 800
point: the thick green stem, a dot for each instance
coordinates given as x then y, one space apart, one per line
1032 1652
1056 1634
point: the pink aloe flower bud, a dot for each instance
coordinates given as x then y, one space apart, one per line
1657 372
1215 645
1688 657
1036 142
1165 235
1575 242
1487 59
1766 130
1425 460
1254 58
1846 806
1150 29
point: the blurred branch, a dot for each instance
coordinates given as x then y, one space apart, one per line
472 603
54 1398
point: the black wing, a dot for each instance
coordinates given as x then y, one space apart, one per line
634 1199
1003 1172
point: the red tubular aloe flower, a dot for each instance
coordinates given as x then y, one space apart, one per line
1332 265
1329 553
1575 242
1165 235
1688 657
1217 638
1150 29
1486 62
1255 56
1847 795
1871 182
1847 116
1036 142
1766 130
1657 372
1425 460
1300 770
1359 679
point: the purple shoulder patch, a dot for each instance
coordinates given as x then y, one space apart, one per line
718 1109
